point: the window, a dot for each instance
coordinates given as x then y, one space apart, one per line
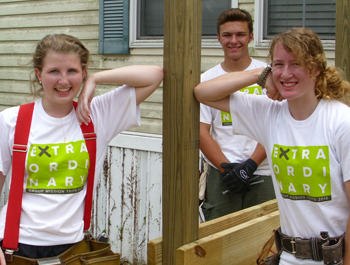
276 16
146 30
140 24
151 17
317 15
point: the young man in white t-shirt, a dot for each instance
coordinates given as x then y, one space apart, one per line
240 154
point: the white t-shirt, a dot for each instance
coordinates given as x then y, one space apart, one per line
55 177
236 148
309 161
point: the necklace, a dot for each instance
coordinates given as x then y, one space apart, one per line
69 124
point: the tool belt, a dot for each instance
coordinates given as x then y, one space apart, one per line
87 251
328 249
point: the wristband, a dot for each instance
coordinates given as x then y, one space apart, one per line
262 77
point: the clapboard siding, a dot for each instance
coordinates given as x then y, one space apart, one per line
27 47
12 99
14 86
149 110
10 73
96 63
50 20
54 6
22 87
82 32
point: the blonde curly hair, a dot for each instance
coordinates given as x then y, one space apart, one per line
308 51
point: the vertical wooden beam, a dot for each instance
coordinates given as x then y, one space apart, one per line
342 37
182 59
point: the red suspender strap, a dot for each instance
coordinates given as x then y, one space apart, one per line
14 205
90 139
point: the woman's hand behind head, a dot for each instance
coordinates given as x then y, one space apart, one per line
272 91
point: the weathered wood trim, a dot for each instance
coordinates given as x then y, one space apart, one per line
146 142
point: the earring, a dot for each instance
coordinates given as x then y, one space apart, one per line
40 81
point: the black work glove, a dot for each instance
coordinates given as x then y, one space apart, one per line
237 176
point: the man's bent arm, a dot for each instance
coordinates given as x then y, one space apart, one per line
259 154
210 147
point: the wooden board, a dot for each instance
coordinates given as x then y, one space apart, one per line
154 248
239 245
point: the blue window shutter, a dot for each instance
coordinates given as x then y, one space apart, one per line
114 27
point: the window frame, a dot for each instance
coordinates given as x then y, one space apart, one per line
260 25
159 43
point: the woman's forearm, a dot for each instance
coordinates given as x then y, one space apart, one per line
133 75
219 88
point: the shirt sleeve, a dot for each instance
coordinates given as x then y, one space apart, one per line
115 111
342 148
205 114
8 120
249 111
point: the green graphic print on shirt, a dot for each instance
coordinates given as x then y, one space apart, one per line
57 168
302 173
226 119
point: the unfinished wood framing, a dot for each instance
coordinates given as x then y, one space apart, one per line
239 245
263 219
182 60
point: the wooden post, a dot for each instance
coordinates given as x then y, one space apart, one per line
342 37
182 59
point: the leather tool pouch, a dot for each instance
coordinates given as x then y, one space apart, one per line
275 258
87 251
333 251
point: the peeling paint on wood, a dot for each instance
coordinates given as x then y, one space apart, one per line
128 199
